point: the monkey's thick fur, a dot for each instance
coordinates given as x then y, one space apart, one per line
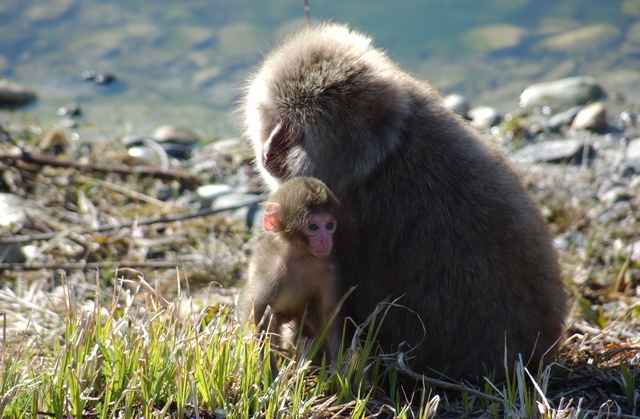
431 213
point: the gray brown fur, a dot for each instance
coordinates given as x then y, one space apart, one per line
286 278
431 212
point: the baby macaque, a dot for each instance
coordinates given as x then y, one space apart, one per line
291 273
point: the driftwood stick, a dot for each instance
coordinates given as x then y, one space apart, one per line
185 179
94 265
147 221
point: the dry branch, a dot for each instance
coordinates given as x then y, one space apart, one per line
185 179
93 265
147 221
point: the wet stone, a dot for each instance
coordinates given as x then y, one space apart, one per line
561 94
172 133
590 40
484 117
98 78
573 151
614 195
570 240
69 110
563 119
632 156
207 194
13 212
592 117
12 94
457 103
250 212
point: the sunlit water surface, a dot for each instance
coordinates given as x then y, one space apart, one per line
184 62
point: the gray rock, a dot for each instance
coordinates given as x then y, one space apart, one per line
234 199
12 94
614 195
177 142
592 117
493 37
11 253
590 40
174 134
561 94
633 250
148 151
14 212
569 240
207 194
48 11
563 119
574 151
457 103
632 156
250 212
484 117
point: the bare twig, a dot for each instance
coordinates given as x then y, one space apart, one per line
148 221
93 265
185 179
307 17
444 384
122 190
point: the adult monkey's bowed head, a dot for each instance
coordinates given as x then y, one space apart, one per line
432 214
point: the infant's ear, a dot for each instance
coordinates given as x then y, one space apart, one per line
271 220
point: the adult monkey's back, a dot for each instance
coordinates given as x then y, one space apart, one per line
433 214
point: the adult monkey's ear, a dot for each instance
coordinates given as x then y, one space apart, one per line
271 220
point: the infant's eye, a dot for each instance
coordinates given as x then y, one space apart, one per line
329 226
313 227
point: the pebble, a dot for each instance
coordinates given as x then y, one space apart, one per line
176 141
569 240
632 156
592 117
172 133
457 103
484 117
614 195
69 110
590 40
13 212
98 78
563 119
48 11
562 94
493 38
12 94
251 212
571 151
11 253
55 142
633 250
207 194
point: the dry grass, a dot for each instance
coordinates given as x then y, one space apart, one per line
145 328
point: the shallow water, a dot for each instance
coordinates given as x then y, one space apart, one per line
184 62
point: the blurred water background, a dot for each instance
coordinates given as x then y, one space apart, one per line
183 62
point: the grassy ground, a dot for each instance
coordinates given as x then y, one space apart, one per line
137 321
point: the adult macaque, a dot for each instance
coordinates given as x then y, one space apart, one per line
432 214
291 270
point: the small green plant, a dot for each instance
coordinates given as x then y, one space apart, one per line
627 382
